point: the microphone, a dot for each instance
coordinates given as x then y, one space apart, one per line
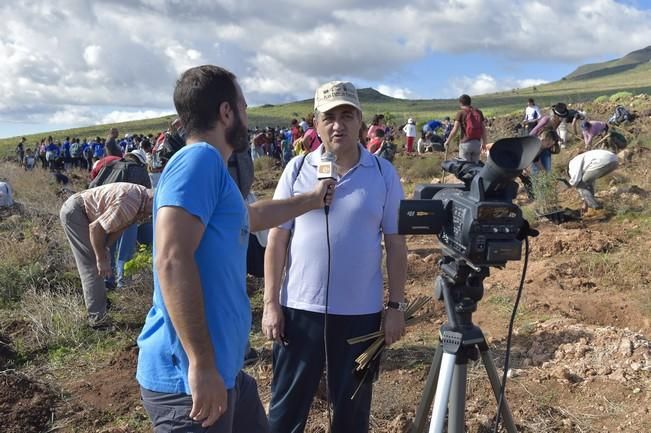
326 170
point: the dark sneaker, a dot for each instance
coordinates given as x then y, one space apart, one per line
251 357
102 323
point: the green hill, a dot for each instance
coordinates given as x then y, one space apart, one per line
631 73
630 61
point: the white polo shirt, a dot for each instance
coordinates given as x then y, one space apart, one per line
365 206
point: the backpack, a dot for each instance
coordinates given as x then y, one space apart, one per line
6 198
163 150
388 151
617 141
621 115
87 152
75 150
473 127
299 146
122 171
240 167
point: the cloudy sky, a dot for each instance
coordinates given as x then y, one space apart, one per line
69 63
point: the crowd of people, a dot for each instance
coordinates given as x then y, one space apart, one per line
197 176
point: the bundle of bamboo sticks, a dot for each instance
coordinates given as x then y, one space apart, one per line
375 349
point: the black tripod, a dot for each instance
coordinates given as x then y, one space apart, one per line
460 287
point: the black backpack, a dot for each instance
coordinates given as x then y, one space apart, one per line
163 151
621 115
122 171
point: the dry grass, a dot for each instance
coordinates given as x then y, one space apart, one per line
56 318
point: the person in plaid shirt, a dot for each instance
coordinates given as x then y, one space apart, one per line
93 220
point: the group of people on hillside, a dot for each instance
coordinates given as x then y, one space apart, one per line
326 237
75 152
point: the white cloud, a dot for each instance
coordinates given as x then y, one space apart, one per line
484 83
396 92
128 54
125 116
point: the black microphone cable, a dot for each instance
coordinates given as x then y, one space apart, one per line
326 210
510 335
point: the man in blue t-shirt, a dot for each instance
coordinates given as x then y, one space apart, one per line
194 338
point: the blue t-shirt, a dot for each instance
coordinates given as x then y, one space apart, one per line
432 126
65 149
98 150
196 179
53 148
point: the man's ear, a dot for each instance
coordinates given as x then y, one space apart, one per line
225 112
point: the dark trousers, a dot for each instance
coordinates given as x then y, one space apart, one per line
298 365
245 414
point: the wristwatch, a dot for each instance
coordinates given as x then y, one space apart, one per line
400 306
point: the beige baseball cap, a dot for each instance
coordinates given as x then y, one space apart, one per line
334 94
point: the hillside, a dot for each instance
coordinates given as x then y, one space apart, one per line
631 73
580 356
594 70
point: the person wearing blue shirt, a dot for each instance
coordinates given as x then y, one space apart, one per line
432 126
98 149
193 341
52 152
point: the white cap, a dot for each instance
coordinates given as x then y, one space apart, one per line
334 94
140 154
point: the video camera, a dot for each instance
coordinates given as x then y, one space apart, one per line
475 221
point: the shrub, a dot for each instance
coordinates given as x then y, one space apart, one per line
425 168
620 96
545 190
601 99
141 262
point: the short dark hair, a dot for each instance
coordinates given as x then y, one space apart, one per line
113 149
530 101
379 133
465 100
199 93
376 119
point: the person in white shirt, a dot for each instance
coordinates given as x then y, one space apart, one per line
410 131
531 115
585 168
424 143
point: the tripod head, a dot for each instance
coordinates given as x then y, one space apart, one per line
460 287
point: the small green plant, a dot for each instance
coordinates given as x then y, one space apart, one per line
620 96
141 261
545 191
601 99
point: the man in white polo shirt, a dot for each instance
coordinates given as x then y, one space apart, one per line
296 272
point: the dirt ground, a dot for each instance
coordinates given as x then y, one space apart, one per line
580 359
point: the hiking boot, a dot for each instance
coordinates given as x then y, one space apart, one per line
100 324
251 357
595 214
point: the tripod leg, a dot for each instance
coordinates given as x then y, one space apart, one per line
428 392
496 385
442 393
457 404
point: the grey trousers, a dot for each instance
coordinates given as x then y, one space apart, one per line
75 225
245 414
470 150
586 186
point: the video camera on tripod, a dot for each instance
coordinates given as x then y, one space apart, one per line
475 221
478 226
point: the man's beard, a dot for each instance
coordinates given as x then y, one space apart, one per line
237 136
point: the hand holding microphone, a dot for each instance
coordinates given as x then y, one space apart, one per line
327 174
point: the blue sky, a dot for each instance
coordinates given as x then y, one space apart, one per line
117 60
